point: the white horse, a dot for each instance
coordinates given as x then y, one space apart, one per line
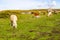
49 14
13 19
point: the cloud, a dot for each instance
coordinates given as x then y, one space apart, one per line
24 4
54 2
21 4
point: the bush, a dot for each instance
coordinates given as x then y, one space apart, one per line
4 15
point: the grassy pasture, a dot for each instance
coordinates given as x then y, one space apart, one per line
31 28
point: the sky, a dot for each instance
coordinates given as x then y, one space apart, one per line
28 4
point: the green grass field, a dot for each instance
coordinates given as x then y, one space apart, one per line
31 28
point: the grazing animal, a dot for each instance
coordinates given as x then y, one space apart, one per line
49 14
13 19
36 14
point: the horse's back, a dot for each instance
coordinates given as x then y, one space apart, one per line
13 17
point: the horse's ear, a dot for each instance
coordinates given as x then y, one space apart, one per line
32 12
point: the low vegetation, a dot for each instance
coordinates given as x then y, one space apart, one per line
30 28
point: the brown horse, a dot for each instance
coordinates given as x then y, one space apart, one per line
35 14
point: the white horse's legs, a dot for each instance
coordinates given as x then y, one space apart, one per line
15 24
